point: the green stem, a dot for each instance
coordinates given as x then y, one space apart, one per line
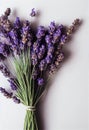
30 121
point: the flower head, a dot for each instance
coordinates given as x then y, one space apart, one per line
5 93
33 12
56 36
40 81
8 11
48 59
5 70
42 65
4 49
35 73
48 38
52 27
63 38
17 23
41 32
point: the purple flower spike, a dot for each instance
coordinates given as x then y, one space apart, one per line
33 55
6 94
63 38
50 50
34 62
40 81
52 27
40 32
8 11
33 13
17 23
41 53
4 70
4 37
48 39
2 90
42 65
60 27
26 36
48 59
36 47
5 23
40 56
56 36
34 58
34 74
4 50
14 36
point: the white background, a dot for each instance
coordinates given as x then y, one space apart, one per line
66 104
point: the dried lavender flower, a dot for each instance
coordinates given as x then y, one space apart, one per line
52 27
16 100
59 59
52 69
5 70
40 32
8 11
5 93
35 74
63 38
48 38
12 84
17 23
4 49
40 81
33 12
42 65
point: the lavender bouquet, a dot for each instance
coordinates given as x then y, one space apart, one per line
34 54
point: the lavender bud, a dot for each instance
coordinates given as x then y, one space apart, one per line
56 36
4 49
5 93
42 65
60 27
42 51
50 50
76 22
25 33
48 59
60 57
34 62
52 28
63 38
33 55
41 32
4 70
34 74
48 39
16 100
4 38
33 13
17 23
36 47
52 69
8 11
40 81
12 84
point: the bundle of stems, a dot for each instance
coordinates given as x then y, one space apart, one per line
36 55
